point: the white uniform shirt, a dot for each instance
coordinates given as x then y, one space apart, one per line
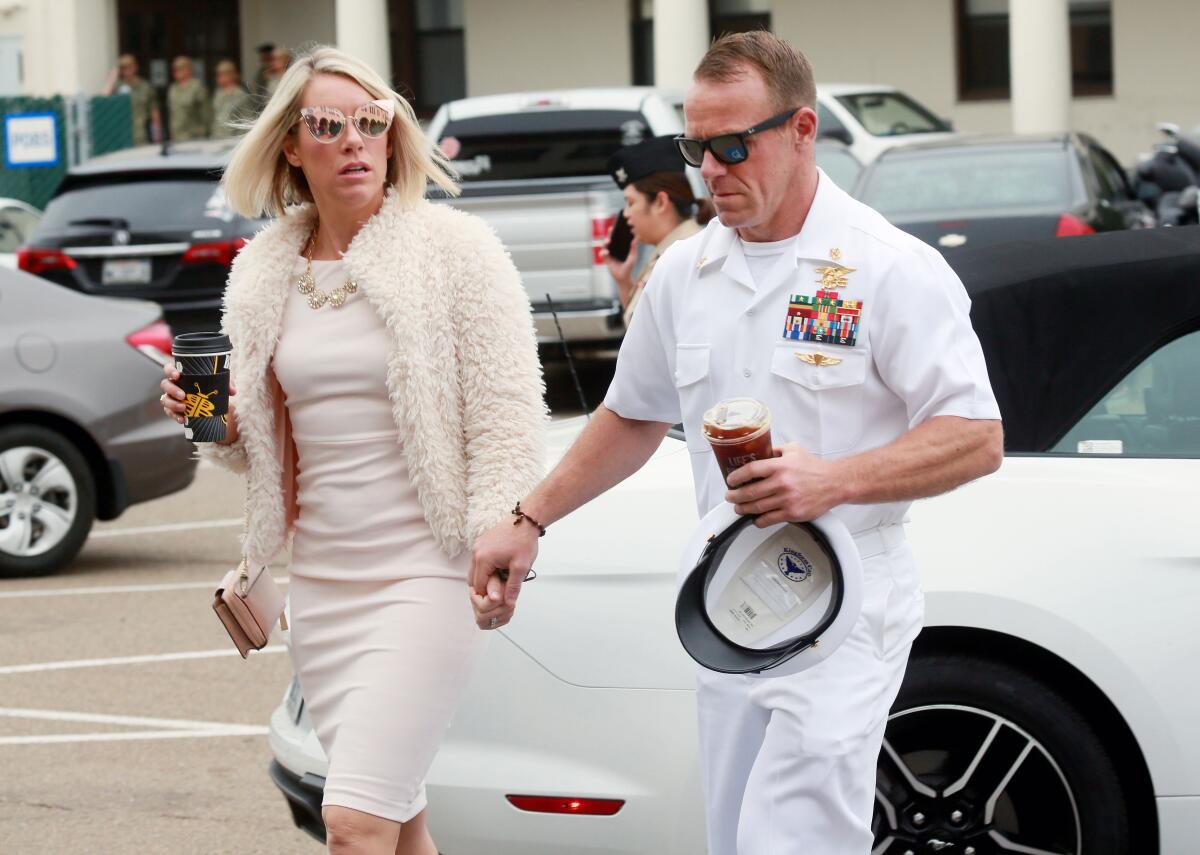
707 329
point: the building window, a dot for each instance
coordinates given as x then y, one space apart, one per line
428 56
641 33
983 71
738 16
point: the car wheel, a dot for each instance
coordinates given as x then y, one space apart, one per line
982 759
47 500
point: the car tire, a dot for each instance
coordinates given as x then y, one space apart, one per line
47 511
977 748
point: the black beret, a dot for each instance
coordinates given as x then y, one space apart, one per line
635 162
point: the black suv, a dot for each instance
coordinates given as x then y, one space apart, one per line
147 223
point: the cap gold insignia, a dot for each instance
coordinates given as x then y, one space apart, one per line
818 359
833 278
622 176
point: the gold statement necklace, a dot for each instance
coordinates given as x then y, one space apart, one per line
307 285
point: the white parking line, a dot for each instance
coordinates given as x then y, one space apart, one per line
116 589
122 737
158 529
169 728
121 720
65 664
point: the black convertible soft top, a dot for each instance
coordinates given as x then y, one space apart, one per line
1063 320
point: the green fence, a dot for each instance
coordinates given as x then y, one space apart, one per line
86 126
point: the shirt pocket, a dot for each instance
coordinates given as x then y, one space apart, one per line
693 384
833 390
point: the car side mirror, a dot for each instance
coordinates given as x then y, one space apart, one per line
840 134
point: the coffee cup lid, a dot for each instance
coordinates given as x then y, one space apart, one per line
735 413
199 343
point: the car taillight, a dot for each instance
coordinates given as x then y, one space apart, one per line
558 804
1070 225
155 341
601 226
221 253
34 260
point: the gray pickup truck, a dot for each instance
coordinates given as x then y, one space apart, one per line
532 165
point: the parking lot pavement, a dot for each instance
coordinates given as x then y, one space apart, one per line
128 724
127 721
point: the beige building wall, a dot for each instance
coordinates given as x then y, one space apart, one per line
288 23
911 45
69 46
519 45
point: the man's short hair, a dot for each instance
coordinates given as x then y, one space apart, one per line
226 65
788 75
265 47
127 60
181 62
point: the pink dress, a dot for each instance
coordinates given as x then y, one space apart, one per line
383 636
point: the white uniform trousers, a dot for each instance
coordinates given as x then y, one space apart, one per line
788 763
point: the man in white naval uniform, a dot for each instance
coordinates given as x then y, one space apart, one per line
857 336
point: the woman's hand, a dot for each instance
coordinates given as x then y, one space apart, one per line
491 611
173 402
622 271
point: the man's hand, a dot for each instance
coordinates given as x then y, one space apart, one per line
500 559
793 486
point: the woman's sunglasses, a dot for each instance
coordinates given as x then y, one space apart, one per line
727 148
326 124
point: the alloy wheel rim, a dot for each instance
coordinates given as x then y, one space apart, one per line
38 501
965 781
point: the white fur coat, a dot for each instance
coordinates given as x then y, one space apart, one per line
462 374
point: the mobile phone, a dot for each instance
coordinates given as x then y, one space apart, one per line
622 237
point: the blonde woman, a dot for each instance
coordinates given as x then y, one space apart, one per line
388 410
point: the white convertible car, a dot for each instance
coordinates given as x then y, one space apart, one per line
1052 703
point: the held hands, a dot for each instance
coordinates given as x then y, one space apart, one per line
793 486
500 559
173 403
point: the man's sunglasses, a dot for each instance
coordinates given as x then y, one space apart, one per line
326 124
727 148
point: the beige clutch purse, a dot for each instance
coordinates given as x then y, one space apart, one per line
249 604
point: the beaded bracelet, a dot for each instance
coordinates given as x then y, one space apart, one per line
521 515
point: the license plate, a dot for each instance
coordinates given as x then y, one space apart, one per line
125 271
294 701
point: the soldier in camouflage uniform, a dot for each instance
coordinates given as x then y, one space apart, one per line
281 58
124 80
187 101
230 102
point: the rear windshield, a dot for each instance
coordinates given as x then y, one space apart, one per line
144 204
549 144
887 114
969 180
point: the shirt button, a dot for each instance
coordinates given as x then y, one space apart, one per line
750 311
747 372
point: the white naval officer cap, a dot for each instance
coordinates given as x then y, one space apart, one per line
767 602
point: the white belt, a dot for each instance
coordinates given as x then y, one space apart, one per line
875 541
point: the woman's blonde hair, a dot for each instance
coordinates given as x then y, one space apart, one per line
259 180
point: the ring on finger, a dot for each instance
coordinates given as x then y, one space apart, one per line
493 623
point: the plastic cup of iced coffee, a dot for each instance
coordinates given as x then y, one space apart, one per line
739 431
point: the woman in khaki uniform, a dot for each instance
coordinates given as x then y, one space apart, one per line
659 206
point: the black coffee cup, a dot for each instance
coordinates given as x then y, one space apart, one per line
202 359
